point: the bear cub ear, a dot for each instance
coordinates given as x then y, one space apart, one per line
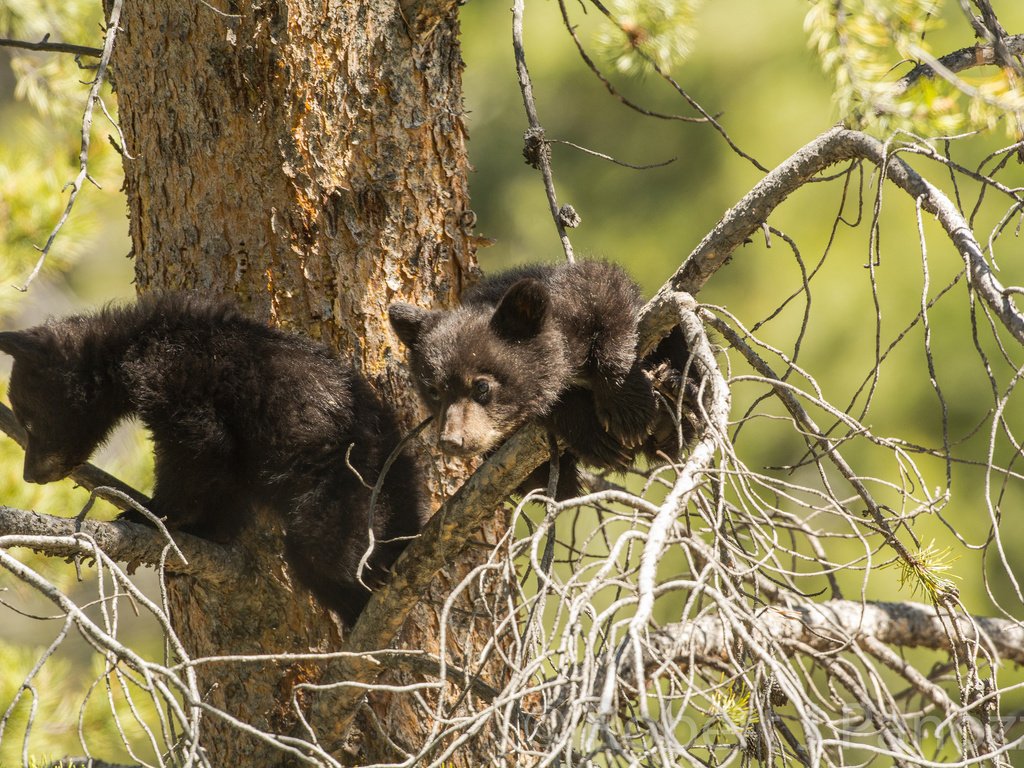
411 322
23 344
522 310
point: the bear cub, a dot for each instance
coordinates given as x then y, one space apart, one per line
240 414
554 343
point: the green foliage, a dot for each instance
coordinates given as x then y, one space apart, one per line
731 709
40 152
56 695
929 572
39 156
640 33
862 45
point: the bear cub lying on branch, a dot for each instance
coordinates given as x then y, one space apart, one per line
240 414
554 343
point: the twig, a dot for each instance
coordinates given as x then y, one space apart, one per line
537 152
682 92
608 84
836 146
611 159
83 155
376 489
45 45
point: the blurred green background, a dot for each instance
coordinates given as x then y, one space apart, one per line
752 67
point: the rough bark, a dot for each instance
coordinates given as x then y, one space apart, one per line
125 542
310 160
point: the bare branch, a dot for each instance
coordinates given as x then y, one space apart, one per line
537 152
571 29
45 45
834 624
836 146
958 61
707 116
83 156
86 762
609 158
126 542
440 542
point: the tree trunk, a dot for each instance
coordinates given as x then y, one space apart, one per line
310 160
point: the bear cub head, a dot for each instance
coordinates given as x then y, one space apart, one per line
484 370
61 412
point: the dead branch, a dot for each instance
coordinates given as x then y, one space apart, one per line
440 541
83 176
46 45
836 146
537 151
121 541
834 624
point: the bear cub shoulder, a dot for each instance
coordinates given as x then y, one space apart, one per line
240 414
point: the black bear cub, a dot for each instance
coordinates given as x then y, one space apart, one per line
240 414
555 343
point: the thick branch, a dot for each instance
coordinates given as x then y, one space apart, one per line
439 543
449 529
836 146
830 626
87 475
127 542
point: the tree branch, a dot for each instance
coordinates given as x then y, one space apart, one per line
78 182
958 61
835 146
448 531
127 542
45 45
830 626
441 540
537 151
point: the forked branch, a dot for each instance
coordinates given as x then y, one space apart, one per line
835 146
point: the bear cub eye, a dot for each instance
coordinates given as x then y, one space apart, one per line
482 391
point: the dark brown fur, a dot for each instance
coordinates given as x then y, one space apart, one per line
240 414
554 343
